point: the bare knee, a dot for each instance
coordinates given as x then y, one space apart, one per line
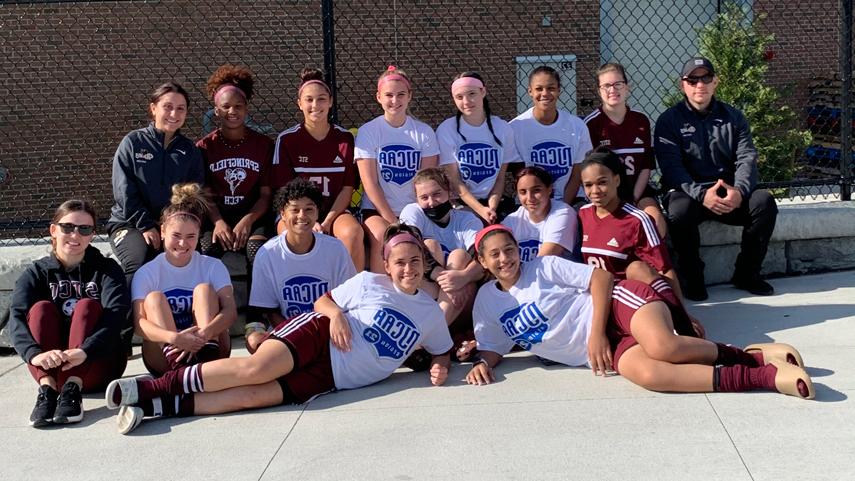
203 291
154 300
458 259
664 348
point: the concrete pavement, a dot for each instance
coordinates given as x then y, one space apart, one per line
536 423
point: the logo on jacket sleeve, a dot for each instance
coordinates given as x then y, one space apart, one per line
300 293
181 303
525 324
398 163
478 161
391 333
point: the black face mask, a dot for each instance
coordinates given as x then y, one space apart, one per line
437 213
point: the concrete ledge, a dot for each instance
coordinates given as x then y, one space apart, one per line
808 238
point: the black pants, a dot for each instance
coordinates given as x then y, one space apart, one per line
130 249
756 215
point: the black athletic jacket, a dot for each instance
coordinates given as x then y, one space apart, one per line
96 277
696 149
144 172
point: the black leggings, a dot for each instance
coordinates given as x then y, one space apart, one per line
131 250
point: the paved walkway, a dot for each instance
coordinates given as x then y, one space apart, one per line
536 423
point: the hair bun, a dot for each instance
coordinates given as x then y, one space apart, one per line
311 74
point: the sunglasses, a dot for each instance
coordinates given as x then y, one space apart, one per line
705 79
68 228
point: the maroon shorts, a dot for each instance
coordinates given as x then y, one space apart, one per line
308 338
628 296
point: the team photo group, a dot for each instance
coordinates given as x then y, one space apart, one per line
439 264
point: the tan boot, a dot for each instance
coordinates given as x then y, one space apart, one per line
789 377
777 351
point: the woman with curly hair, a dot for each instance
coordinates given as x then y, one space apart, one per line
237 161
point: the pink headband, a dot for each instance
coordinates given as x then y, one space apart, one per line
309 82
486 230
399 239
228 88
391 77
466 82
188 214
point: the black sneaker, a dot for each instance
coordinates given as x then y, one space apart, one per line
754 285
695 291
69 408
42 414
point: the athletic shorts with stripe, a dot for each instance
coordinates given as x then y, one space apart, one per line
628 296
308 338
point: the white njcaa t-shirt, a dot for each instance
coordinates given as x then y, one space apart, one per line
547 312
386 326
177 283
458 234
559 227
554 147
398 152
479 157
293 282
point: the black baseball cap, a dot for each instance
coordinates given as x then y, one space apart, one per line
697 62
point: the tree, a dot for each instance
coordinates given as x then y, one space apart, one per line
735 44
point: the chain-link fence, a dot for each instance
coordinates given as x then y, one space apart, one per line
77 74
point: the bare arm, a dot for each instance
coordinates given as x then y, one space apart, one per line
550 249
463 192
342 201
340 334
571 190
640 184
599 350
430 161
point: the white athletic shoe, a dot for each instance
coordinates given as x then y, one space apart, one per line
128 419
128 388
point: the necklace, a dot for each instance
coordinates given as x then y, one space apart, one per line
234 145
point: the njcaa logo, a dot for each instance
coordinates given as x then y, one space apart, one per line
301 292
529 250
525 324
478 161
398 163
391 333
555 158
181 304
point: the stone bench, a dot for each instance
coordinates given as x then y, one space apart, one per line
810 237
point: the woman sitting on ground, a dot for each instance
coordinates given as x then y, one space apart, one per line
183 301
66 316
575 315
358 334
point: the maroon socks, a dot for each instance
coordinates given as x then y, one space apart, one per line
730 355
184 380
741 378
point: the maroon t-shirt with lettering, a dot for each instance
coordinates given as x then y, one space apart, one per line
236 171
630 140
328 162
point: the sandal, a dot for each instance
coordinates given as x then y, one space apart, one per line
793 380
777 351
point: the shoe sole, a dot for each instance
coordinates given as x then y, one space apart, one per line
68 419
40 423
128 419
111 389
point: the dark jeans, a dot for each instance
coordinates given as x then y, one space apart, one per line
756 215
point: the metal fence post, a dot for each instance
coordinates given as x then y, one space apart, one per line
845 98
329 53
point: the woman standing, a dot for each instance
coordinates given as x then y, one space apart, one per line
183 301
237 163
475 148
323 153
627 133
551 138
148 162
66 315
389 151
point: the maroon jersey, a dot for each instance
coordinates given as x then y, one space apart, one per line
328 162
618 239
236 171
630 140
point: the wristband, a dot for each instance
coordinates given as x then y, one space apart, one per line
480 360
254 327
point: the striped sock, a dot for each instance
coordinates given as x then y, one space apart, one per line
184 380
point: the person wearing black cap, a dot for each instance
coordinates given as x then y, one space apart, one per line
709 168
